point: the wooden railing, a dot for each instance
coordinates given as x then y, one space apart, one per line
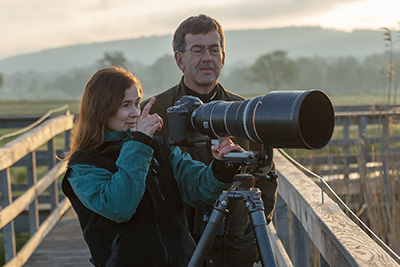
23 151
359 130
303 212
370 143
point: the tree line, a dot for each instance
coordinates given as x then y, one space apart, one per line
271 71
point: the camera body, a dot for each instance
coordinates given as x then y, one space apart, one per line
280 119
181 131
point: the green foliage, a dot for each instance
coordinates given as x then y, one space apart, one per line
20 240
274 70
111 59
160 76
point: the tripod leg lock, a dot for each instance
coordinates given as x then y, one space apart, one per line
253 201
222 203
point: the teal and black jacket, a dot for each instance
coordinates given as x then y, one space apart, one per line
129 198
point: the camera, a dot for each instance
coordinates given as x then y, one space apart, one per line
279 119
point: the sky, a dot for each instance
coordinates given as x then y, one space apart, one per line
33 25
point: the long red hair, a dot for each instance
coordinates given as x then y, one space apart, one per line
101 99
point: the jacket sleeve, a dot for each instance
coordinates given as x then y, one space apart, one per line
114 196
197 182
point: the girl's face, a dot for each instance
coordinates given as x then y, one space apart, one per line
128 112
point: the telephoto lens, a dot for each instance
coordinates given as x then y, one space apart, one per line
280 119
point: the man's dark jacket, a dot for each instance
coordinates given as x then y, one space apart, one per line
235 245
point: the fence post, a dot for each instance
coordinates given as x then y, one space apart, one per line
53 189
301 254
31 181
362 157
8 230
322 261
281 222
385 151
346 138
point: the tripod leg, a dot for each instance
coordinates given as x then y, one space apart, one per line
206 239
262 237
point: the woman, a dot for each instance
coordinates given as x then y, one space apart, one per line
127 186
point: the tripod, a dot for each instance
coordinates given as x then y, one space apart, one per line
252 198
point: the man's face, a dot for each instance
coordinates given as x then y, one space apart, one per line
202 61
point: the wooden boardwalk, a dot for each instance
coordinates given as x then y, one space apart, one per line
305 213
63 246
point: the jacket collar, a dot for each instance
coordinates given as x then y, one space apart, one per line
218 92
113 136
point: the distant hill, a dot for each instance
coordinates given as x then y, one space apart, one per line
242 46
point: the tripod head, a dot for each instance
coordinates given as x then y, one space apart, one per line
243 189
249 161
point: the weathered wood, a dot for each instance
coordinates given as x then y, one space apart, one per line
340 241
8 213
26 251
282 258
281 220
8 230
51 157
300 244
24 148
72 252
28 142
33 213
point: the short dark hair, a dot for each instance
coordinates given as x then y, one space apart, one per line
200 24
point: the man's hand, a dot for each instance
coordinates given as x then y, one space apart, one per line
225 146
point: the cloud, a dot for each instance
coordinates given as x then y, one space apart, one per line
31 25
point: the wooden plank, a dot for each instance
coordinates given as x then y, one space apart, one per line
26 251
6 200
64 245
281 256
340 241
8 213
33 213
30 141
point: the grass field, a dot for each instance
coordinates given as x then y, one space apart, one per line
41 107
34 107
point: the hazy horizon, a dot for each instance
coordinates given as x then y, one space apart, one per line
32 26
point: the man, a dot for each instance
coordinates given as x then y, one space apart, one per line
198 45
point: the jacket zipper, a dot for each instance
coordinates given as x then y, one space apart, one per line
166 250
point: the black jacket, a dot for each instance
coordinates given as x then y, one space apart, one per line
159 216
235 245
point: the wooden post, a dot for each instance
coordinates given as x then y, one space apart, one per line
301 253
281 222
31 181
53 189
385 151
362 158
346 138
8 230
67 136
362 138
322 261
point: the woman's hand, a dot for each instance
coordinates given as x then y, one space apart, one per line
149 124
225 146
